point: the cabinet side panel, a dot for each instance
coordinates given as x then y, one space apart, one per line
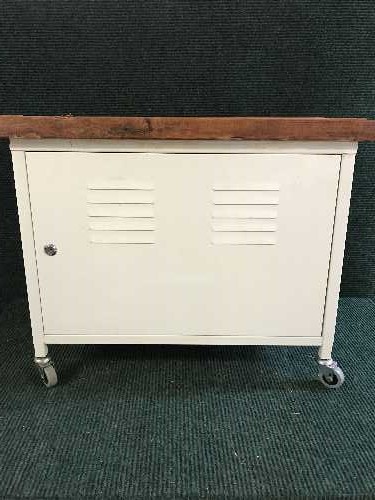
337 253
28 248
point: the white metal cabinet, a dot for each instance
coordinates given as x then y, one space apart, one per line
203 245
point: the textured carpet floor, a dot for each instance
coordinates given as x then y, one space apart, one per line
187 423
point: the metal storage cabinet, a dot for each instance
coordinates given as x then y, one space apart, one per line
183 241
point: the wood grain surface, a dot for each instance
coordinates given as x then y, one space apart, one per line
240 128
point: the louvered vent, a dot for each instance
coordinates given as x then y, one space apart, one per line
244 216
121 213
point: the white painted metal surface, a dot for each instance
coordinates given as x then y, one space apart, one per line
181 147
337 254
184 270
183 339
26 226
191 242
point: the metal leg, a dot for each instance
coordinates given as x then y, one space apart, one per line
46 370
325 351
40 349
330 374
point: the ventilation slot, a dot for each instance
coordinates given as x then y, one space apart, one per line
244 216
121 213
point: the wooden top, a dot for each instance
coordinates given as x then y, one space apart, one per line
232 128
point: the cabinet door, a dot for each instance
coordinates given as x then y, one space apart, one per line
183 244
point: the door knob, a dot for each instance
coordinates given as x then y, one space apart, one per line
50 249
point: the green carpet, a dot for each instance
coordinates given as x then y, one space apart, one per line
141 422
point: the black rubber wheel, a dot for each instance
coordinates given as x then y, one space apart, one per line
332 378
48 375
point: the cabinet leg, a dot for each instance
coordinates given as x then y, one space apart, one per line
325 351
40 350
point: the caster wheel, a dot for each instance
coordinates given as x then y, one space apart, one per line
46 371
331 375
